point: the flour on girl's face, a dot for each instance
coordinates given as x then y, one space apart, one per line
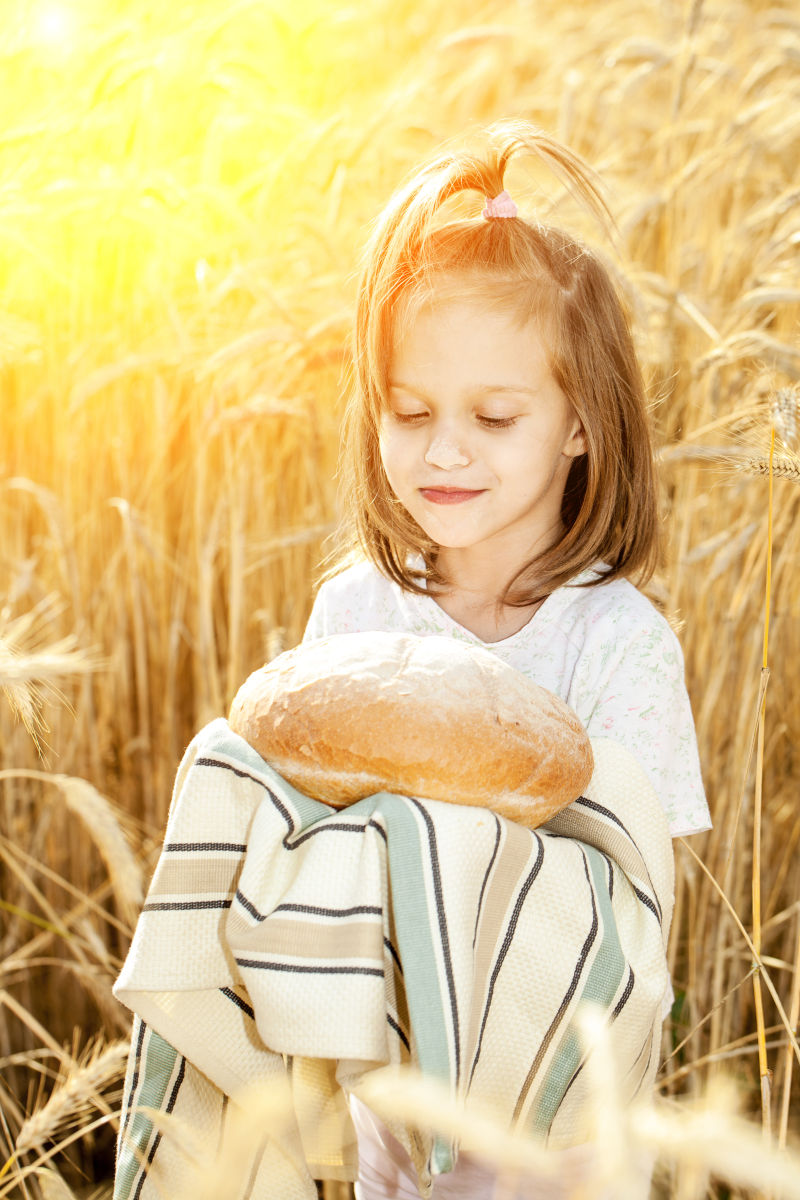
478 438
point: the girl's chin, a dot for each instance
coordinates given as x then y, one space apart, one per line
447 540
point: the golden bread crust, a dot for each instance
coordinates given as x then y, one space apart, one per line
347 716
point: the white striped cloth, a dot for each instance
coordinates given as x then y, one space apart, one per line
282 939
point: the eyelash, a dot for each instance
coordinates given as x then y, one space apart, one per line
487 422
497 422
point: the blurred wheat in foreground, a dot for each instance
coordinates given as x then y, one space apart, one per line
184 193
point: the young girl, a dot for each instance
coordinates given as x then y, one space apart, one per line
500 488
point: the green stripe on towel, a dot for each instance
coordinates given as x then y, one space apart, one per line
157 1069
410 871
601 986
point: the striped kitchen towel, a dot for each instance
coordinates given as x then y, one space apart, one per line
284 940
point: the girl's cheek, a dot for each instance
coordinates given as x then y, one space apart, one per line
385 446
395 444
389 457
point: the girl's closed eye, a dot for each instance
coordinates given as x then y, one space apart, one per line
408 418
497 422
415 418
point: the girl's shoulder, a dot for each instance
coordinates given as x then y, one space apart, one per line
353 567
613 610
357 599
617 601
357 578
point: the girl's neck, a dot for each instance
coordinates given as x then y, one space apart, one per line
488 620
478 578
473 598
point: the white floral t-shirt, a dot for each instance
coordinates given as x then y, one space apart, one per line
605 650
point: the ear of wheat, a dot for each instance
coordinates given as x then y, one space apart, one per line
81 1089
784 466
785 411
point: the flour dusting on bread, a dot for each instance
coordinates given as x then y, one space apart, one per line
434 717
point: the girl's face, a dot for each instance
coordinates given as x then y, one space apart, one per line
477 438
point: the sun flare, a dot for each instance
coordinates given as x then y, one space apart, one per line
54 25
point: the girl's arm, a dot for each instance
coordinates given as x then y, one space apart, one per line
630 687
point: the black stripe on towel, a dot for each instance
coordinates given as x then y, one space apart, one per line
648 902
394 954
301 969
372 824
372 909
238 1001
626 995
486 877
623 1000
135 1075
251 908
226 766
505 945
398 1031
315 830
445 941
313 910
606 812
157 1139
238 847
591 937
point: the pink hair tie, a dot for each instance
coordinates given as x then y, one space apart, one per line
501 206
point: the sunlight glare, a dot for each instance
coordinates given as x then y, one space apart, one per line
54 24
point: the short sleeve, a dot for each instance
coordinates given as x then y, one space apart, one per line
632 690
317 624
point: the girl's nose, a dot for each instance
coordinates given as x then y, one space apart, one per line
443 452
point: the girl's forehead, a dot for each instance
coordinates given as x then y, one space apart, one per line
469 317
443 295
456 344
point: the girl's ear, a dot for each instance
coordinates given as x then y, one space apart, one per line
575 444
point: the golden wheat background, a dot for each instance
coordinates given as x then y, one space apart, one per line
184 190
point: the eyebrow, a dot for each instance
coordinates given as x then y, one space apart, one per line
482 388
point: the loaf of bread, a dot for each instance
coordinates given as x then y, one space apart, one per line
432 717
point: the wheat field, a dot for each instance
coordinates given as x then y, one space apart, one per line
184 193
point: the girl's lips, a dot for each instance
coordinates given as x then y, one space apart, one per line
449 495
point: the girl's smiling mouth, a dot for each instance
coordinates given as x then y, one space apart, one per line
449 495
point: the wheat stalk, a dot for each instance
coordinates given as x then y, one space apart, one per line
103 825
764 1072
80 1090
30 674
53 1186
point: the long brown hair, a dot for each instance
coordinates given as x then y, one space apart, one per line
537 273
